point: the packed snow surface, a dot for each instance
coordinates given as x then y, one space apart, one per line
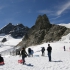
9 44
60 59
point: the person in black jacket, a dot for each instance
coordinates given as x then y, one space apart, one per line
1 59
43 51
49 49
24 54
64 48
29 51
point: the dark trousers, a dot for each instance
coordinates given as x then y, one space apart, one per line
49 55
23 58
43 53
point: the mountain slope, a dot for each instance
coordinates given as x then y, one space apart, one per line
60 58
18 30
43 31
9 44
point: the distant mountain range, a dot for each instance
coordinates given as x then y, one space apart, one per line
42 31
18 30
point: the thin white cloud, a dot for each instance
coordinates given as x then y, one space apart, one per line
63 8
56 17
45 11
56 13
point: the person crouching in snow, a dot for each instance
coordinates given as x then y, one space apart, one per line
24 54
1 60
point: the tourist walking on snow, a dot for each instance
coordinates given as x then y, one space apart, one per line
64 48
43 51
24 54
49 49
30 52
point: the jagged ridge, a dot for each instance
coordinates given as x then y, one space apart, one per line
15 30
43 31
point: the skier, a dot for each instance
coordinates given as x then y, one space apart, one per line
42 50
49 49
24 54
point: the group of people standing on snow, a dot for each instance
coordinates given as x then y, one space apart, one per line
24 53
30 52
49 49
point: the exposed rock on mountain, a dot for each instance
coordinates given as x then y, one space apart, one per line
19 31
6 29
4 40
43 31
15 30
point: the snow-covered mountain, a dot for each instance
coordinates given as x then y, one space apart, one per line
66 25
43 31
9 45
18 30
12 42
60 58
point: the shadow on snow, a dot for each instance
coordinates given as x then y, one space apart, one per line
57 61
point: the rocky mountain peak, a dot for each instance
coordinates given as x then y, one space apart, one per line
42 22
7 28
15 30
43 31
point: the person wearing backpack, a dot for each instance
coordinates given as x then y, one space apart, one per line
29 51
24 54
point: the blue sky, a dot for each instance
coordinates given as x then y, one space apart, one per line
27 11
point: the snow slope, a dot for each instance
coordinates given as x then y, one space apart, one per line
9 44
60 58
66 25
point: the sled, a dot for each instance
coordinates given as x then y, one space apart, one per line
1 63
20 61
